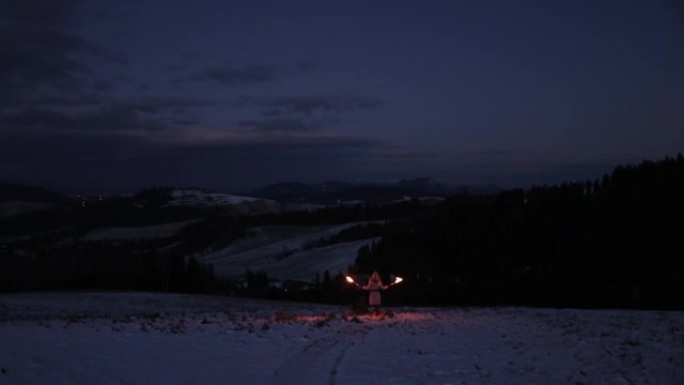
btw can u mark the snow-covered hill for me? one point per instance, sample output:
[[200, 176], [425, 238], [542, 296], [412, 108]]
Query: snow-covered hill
[[332, 192], [281, 252], [152, 338], [193, 197], [236, 204]]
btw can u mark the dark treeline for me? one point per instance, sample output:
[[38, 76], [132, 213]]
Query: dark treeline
[[46, 250], [613, 242], [610, 242], [338, 214], [165, 264], [142, 209]]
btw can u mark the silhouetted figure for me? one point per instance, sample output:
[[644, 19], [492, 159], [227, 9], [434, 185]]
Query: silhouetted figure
[[374, 286]]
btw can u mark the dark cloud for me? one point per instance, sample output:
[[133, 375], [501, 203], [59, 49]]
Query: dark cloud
[[110, 117], [102, 85], [676, 12], [278, 125], [231, 75], [156, 105], [308, 105], [301, 113], [188, 120], [499, 152], [37, 61], [184, 62], [53, 83], [42, 59], [76, 99], [140, 114], [44, 13], [324, 108], [238, 76], [109, 15], [250, 138], [37, 118], [306, 65]]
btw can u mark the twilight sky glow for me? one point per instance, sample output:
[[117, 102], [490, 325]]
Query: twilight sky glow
[[232, 95]]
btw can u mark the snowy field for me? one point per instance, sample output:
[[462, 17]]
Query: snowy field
[[146, 338], [281, 252]]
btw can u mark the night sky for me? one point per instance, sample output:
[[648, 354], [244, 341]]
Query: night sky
[[233, 95]]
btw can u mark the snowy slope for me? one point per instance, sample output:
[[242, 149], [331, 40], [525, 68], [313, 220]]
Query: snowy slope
[[145, 338], [280, 252]]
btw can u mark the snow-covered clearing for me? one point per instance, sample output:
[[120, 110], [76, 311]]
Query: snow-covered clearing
[[281, 252], [147, 338]]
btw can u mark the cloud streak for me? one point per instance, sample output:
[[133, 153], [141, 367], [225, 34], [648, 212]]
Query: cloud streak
[[300, 114], [238, 76], [309, 104], [147, 114], [229, 74], [198, 137], [278, 125]]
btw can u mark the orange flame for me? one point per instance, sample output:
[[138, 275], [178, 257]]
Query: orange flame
[[349, 279], [398, 279]]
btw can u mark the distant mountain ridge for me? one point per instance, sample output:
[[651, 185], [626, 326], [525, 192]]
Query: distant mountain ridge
[[335, 191], [17, 199], [235, 204]]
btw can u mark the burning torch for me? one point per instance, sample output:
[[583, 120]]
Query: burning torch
[[351, 280]]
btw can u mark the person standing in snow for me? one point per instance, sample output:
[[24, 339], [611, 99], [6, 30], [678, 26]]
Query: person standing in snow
[[374, 286]]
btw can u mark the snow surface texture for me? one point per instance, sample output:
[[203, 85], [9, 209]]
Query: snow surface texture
[[281, 252], [144, 338]]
